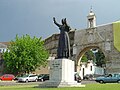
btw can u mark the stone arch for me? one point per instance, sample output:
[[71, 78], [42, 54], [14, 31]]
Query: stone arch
[[82, 52], [101, 37]]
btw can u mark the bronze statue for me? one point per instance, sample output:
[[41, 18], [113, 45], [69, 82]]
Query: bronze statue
[[63, 50]]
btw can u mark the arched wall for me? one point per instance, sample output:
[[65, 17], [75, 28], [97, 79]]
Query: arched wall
[[82, 52], [100, 37]]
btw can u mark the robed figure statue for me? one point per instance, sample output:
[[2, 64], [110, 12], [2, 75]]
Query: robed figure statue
[[63, 50]]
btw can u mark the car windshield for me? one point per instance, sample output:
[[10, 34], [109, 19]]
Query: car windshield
[[41, 75], [25, 75]]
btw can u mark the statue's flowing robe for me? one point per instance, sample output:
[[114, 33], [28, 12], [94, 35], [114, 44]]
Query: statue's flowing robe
[[63, 50]]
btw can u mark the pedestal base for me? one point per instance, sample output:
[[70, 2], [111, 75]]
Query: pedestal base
[[61, 74], [60, 84]]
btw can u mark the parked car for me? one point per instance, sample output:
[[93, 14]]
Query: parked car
[[28, 78], [111, 78], [77, 77], [43, 77], [18, 76], [8, 77]]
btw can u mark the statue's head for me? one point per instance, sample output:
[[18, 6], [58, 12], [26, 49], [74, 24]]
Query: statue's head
[[62, 21]]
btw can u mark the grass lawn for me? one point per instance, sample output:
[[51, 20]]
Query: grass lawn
[[98, 86]]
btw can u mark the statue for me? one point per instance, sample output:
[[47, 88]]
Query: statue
[[63, 50]]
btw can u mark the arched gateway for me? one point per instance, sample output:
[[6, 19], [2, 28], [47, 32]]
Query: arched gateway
[[101, 37]]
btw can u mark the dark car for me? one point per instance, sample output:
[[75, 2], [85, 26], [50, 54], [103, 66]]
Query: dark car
[[111, 78], [43, 77], [7, 77], [77, 77], [88, 77]]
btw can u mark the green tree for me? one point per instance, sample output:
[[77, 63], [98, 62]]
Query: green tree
[[24, 55], [84, 58], [87, 56], [100, 58]]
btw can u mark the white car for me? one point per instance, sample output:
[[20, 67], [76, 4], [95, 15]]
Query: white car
[[28, 78]]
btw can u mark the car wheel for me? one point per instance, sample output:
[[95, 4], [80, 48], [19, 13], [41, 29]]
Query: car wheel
[[78, 81], [118, 81], [101, 81], [36, 80], [42, 80], [26, 81]]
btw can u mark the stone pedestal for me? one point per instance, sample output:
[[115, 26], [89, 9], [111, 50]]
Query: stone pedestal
[[61, 74]]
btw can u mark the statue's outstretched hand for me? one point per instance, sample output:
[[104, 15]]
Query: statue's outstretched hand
[[56, 22]]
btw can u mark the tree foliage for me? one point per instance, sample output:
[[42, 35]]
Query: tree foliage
[[100, 58], [90, 55], [84, 58], [25, 54], [87, 56]]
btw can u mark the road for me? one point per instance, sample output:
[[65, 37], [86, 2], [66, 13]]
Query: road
[[88, 82], [12, 83]]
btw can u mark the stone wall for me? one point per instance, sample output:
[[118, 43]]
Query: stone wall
[[100, 37]]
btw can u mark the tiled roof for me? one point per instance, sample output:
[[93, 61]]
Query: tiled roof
[[3, 45]]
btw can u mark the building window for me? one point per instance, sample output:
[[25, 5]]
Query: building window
[[3, 50], [90, 68]]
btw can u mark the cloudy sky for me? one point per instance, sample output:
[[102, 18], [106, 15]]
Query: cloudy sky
[[34, 17]]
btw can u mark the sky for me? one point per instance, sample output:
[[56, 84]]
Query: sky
[[35, 17]]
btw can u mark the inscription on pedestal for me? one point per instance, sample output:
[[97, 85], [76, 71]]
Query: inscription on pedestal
[[56, 65]]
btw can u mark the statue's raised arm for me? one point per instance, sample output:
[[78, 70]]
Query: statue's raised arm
[[56, 22]]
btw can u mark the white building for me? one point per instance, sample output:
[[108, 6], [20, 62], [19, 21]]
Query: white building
[[90, 68], [3, 48]]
